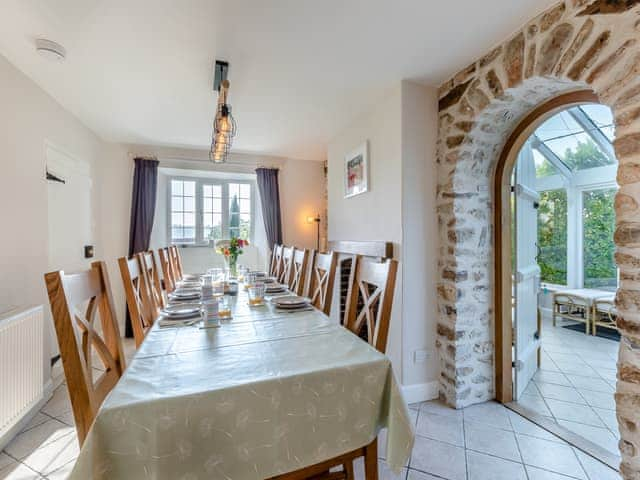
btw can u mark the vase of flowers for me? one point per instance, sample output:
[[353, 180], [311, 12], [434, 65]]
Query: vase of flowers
[[230, 250]]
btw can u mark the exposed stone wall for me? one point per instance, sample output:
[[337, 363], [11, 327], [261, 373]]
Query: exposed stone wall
[[576, 44]]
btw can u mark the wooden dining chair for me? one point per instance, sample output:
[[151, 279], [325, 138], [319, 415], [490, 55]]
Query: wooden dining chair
[[287, 262], [370, 298], [298, 271], [176, 262], [75, 301], [275, 268], [151, 277], [168, 277], [141, 307], [322, 278]]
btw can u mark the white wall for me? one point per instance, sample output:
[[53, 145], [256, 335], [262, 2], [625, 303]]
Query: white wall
[[399, 207], [376, 214], [29, 118], [420, 231]]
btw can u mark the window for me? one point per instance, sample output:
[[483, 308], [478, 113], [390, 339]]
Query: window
[[598, 226], [205, 209], [183, 211], [552, 236]]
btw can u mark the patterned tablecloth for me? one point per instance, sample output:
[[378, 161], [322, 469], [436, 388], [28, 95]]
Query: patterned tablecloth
[[266, 393]]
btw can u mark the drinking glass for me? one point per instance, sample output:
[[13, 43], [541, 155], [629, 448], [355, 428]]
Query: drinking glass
[[256, 294], [218, 288], [224, 307]]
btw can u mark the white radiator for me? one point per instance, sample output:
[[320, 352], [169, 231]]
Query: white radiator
[[21, 366]]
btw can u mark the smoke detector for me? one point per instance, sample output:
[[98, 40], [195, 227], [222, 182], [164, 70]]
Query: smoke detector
[[50, 49]]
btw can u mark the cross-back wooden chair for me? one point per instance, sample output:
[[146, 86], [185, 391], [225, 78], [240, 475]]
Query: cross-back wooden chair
[[275, 268], [140, 305], [370, 298], [151, 277], [176, 262], [75, 300], [287, 262], [298, 271], [168, 276], [322, 278]]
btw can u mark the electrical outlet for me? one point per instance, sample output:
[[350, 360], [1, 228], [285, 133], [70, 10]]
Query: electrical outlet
[[421, 356]]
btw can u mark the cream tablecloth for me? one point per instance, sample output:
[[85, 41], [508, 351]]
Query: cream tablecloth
[[266, 393]]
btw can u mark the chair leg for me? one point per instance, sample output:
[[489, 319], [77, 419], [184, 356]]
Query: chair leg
[[348, 471], [371, 461]]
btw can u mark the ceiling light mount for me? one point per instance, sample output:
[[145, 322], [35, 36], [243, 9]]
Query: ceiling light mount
[[50, 49], [220, 74]]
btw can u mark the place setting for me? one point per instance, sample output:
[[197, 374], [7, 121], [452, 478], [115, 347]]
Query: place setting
[[180, 314], [292, 304]]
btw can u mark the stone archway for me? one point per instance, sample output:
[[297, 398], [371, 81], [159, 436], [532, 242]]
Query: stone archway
[[575, 45]]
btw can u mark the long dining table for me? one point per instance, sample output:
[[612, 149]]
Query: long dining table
[[265, 393]]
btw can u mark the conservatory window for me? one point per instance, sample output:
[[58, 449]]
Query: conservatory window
[[575, 177]]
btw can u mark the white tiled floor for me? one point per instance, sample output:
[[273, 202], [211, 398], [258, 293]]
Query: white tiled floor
[[576, 383], [482, 442]]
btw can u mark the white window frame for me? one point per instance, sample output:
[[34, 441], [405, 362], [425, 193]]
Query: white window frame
[[200, 241]]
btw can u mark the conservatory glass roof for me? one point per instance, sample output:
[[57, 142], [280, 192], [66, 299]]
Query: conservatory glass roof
[[575, 139]]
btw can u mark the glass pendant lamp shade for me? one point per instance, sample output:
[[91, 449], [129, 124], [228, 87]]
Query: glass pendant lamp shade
[[224, 127]]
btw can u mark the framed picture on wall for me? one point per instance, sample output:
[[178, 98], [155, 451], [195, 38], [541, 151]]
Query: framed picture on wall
[[356, 171]]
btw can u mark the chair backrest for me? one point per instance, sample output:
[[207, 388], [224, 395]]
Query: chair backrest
[[151, 278], [75, 299], [323, 274], [139, 302], [370, 300], [287, 262], [298, 271], [276, 261], [176, 262], [167, 270]]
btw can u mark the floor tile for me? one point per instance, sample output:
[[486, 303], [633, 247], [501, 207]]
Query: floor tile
[[38, 419], [577, 369], [588, 383], [490, 413], [596, 470], [540, 474], [536, 404], [557, 378], [384, 472], [574, 412], [608, 417], [59, 402], [600, 436], [440, 408], [561, 392], [27, 442], [524, 426], [440, 459], [486, 467], [61, 473], [54, 455], [485, 439], [550, 456], [5, 460], [599, 399], [441, 428], [416, 475], [18, 471]]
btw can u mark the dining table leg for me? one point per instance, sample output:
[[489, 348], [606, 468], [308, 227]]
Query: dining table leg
[[371, 461]]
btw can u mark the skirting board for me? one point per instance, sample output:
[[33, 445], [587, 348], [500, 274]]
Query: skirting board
[[420, 392], [24, 421]]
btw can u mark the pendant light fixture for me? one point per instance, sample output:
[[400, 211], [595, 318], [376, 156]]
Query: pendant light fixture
[[224, 125]]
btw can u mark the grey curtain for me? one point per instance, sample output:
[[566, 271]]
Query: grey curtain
[[270, 199], [143, 207]]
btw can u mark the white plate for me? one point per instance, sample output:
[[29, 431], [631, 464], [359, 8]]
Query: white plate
[[189, 284], [185, 292], [180, 311], [192, 277], [291, 301]]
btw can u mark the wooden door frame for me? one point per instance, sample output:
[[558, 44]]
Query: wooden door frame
[[502, 231]]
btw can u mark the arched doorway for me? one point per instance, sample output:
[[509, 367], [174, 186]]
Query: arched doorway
[[576, 45]]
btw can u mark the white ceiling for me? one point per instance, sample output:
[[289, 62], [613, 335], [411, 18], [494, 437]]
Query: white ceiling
[[140, 71]]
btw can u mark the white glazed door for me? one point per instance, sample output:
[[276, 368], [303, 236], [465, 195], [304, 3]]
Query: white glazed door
[[526, 272]]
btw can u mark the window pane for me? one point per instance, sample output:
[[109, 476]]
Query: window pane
[[234, 205], [245, 190], [598, 248], [234, 190], [206, 190], [217, 191], [189, 219], [602, 116], [207, 204], [544, 168], [579, 152], [176, 219], [176, 187], [217, 205], [176, 204], [190, 189], [245, 206], [189, 204], [552, 236]]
